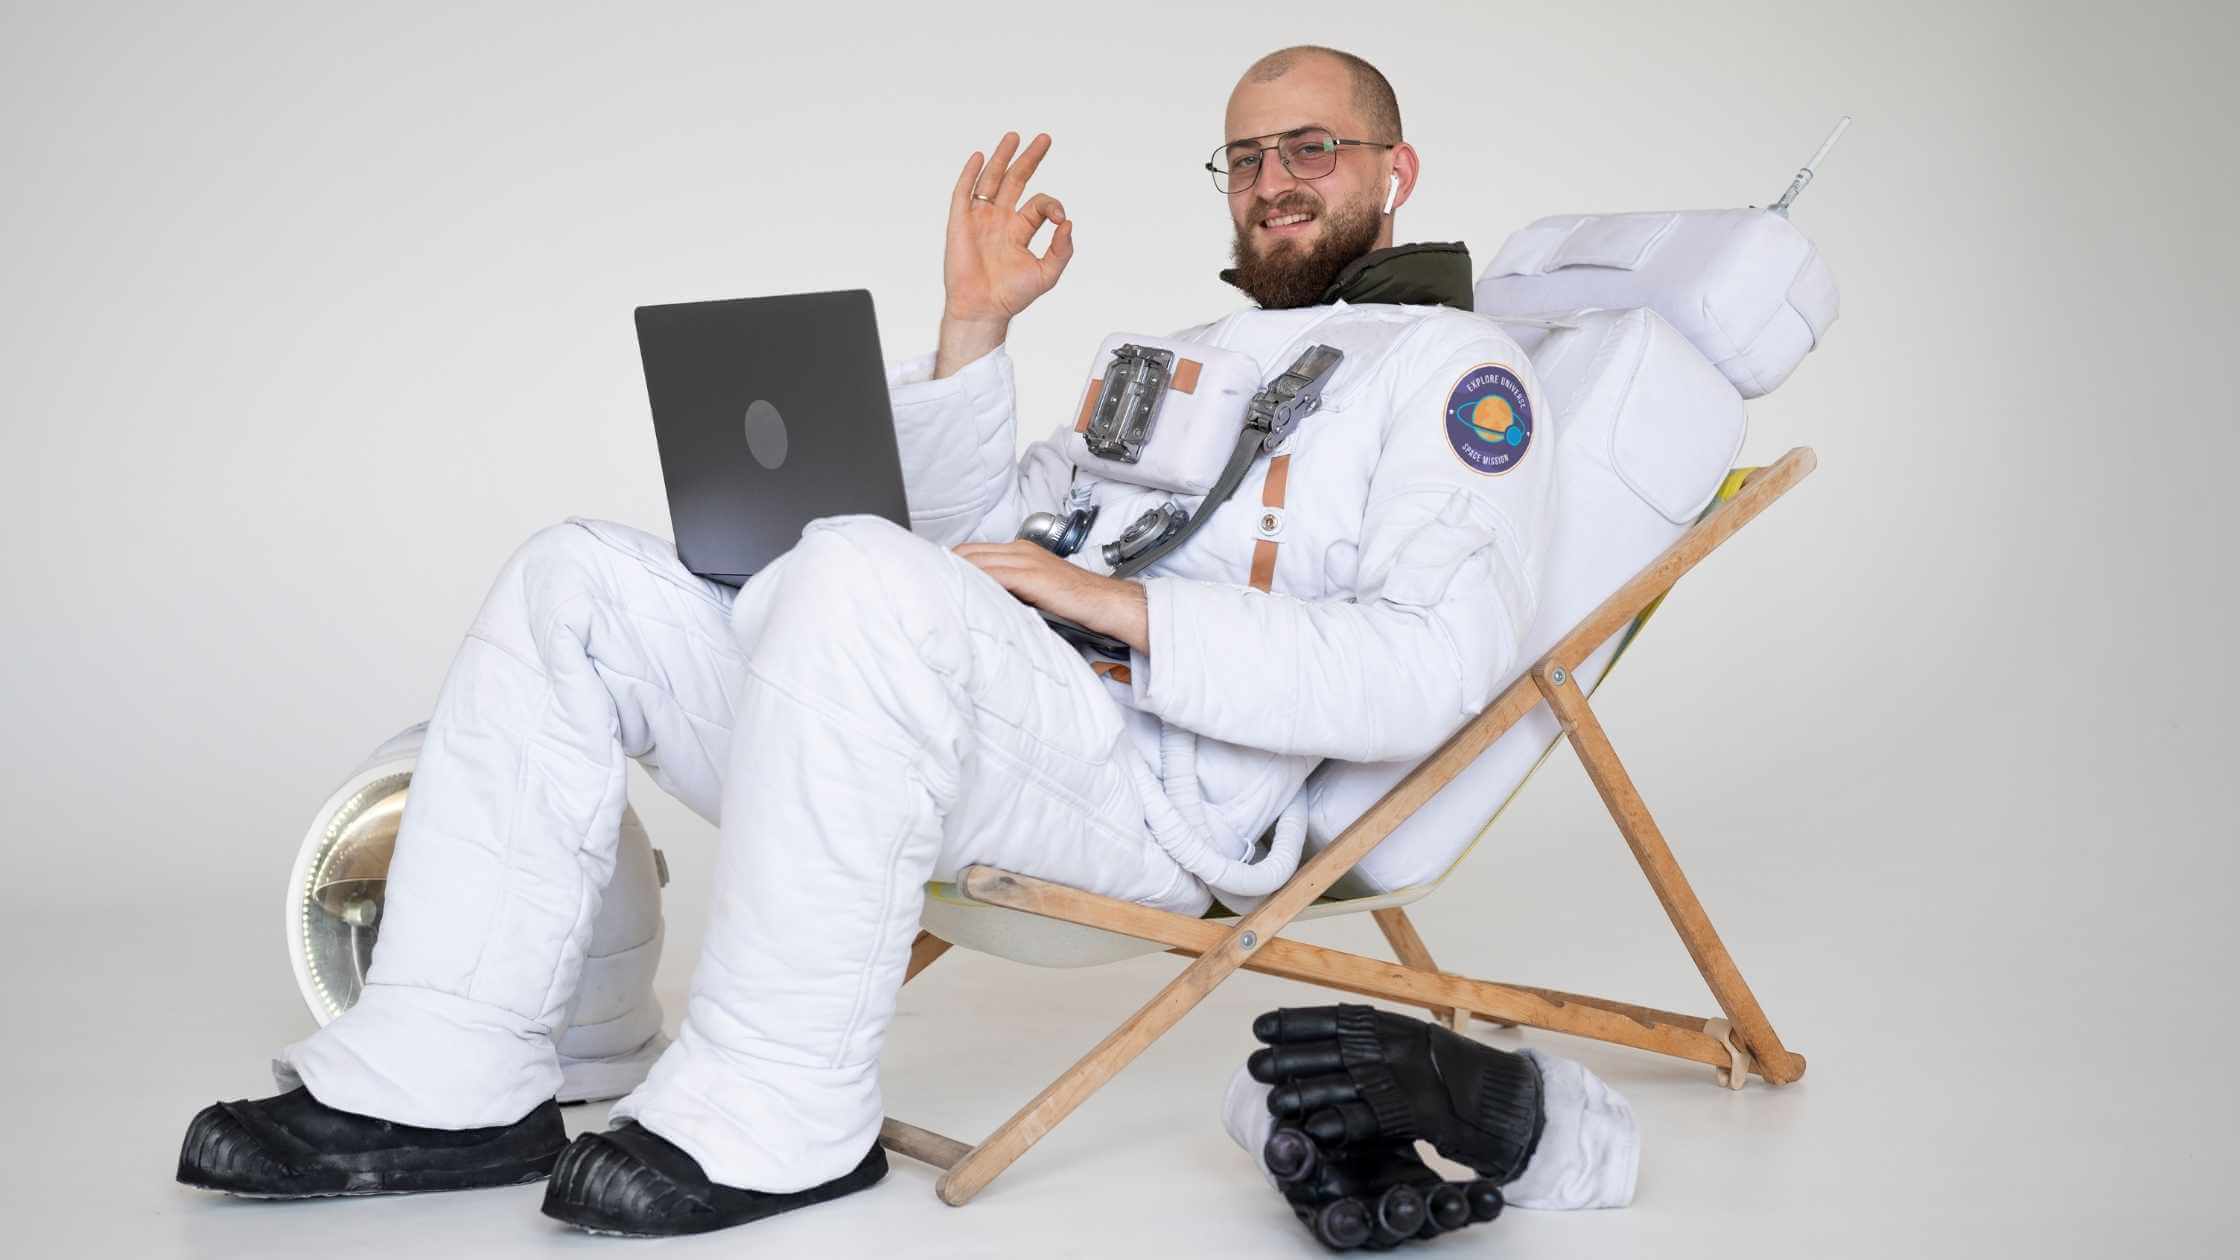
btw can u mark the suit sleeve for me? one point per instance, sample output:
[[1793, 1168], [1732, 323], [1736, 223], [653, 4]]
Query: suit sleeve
[[961, 470], [1448, 581]]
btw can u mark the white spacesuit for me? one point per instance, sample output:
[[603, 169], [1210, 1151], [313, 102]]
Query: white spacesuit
[[873, 711]]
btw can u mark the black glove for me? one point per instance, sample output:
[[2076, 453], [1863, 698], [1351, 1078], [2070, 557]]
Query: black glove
[[1353, 1076], [1377, 1195]]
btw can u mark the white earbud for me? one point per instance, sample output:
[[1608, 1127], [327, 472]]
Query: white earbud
[[1393, 195]]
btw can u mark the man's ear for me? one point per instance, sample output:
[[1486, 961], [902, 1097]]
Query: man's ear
[[1407, 165]]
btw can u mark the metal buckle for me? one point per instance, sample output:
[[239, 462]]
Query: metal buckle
[[1135, 383], [1146, 532], [1293, 396]]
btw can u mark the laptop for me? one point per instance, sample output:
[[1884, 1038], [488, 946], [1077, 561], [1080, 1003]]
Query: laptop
[[769, 412]]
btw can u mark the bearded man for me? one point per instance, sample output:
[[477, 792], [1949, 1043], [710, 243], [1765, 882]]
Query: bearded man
[[881, 707]]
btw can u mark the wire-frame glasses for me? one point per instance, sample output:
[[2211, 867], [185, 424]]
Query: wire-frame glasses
[[1306, 152]]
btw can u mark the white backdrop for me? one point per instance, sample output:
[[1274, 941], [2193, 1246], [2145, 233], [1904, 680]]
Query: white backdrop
[[312, 313]]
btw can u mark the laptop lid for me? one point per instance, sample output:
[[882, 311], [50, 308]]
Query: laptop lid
[[769, 412]]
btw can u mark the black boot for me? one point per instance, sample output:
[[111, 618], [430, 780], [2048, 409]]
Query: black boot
[[292, 1146], [633, 1182]]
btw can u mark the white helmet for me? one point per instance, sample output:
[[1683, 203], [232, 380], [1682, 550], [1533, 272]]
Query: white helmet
[[335, 893]]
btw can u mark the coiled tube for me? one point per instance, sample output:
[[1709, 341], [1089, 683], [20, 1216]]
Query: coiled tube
[[1175, 811]]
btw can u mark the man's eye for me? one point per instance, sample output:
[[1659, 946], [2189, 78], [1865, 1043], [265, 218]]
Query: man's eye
[[1310, 148], [1243, 161]]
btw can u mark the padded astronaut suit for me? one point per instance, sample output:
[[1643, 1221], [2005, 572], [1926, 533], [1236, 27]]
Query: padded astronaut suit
[[872, 711]]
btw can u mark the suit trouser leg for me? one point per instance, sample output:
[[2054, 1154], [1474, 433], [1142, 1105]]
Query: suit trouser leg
[[871, 712], [593, 645], [901, 716]]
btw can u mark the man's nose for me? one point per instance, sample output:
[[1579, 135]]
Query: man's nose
[[1276, 179]]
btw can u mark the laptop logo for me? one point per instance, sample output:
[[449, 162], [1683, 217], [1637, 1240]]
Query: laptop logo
[[766, 434]]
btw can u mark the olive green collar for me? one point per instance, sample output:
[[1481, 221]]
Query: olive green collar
[[1431, 273]]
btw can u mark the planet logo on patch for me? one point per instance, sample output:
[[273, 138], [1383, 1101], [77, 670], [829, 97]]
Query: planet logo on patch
[[1489, 419]]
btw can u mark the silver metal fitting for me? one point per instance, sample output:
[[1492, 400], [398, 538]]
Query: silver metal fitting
[[1293, 396], [1059, 535], [1146, 532], [1135, 383]]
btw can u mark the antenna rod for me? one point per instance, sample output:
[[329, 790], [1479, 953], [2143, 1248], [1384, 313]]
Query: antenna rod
[[1806, 172]]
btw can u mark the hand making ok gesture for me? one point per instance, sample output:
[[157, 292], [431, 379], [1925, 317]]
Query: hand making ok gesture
[[988, 270]]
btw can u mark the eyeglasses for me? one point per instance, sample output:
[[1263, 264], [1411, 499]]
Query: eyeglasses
[[1306, 152]]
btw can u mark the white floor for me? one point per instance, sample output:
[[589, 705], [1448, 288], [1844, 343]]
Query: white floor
[[1998, 1066]]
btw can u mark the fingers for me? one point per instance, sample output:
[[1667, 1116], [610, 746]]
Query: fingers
[[1272, 1065], [1343, 1225], [1485, 1200], [1365, 1214], [1448, 1205], [1021, 568], [1289, 1154], [1400, 1211], [1382, 1219], [960, 197], [1343, 1122], [1010, 576], [1349, 1182], [1297, 1023], [1364, 1171], [1016, 175], [1311, 1094], [1001, 181], [1017, 550], [1392, 1218], [990, 181], [1040, 207], [986, 558]]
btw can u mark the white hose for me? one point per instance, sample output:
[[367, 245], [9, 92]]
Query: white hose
[[1178, 772], [1175, 810]]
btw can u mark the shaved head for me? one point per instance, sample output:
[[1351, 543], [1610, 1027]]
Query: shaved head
[[1373, 101]]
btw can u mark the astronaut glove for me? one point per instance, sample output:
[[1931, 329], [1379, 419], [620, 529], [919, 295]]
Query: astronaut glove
[[1352, 1089], [1352, 1074]]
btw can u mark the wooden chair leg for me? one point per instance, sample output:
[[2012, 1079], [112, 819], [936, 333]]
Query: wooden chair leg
[[984, 1162], [1218, 961], [1400, 933], [1774, 1061], [922, 953], [923, 1145]]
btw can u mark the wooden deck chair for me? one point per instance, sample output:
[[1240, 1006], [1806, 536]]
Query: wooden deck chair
[[1089, 928]]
